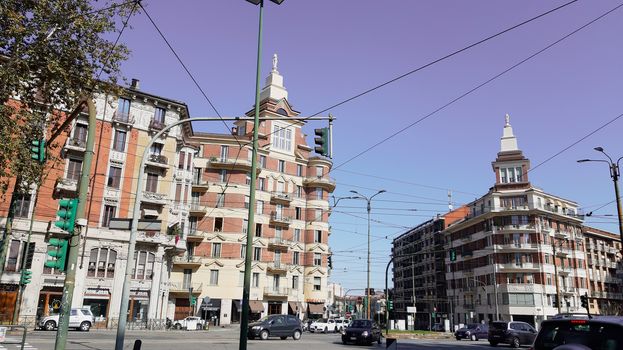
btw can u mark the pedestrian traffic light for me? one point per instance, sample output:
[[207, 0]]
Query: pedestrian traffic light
[[452, 254], [25, 277], [58, 254], [584, 300], [67, 214], [322, 141], [37, 150]]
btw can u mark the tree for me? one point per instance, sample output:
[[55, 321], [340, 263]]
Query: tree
[[51, 52]]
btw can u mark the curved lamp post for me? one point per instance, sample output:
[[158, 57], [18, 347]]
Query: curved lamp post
[[368, 200]]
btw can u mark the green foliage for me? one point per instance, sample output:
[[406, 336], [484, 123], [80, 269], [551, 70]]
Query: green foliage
[[51, 53]]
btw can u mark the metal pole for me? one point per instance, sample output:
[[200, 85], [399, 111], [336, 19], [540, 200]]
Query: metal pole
[[387, 296], [558, 301], [614, 172], [244, 319], [495, 279], [368, 284], [74, 242]]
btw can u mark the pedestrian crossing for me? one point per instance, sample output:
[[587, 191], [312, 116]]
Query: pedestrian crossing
[[16, 346]]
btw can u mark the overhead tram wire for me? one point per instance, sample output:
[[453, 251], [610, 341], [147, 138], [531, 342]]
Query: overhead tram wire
[[477, 87]]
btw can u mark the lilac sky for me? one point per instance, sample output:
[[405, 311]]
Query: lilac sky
[[331, 50]]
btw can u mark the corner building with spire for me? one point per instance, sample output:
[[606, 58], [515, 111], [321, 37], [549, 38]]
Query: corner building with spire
[[519, 250]]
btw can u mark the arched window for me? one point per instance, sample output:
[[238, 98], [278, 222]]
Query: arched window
[[143, 265], [102, 263], [282, 112]]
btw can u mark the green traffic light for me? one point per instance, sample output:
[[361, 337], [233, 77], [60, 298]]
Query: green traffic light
[[37, 150], [67, 214], [59, 254], [25, 277]]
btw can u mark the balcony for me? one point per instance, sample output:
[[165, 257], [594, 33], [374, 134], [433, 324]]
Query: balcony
[[184, 288], [123, 118], [194, 236], [158, 160], [611, 250], [279, 219], [561, 235], [319, 181], [231, 164], [280, 197], [156, 125], [66, 185], [76, 144], [197, 209], [564, 270], [278, 243], [514, 207], [276, 291], [562, 252], [519, 267], [200, 185], [155, 198], [187, 261], [277, 267]]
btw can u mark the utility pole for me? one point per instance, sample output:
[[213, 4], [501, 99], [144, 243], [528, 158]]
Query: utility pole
[[74, 242], [558, 301]]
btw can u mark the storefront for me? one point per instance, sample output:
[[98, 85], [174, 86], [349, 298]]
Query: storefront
[[98, 300], [139, 305], [315, 310], [236, 311], [8, 296], [256, 307], [211, 311], [183, 308], [294, 308], [275, 307], [49, 301]]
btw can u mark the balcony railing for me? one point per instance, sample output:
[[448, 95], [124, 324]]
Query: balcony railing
[[181, 287], [279, 242], [123, 118], [158, 159], [276, 266], [156, 125], [280, 218], [187, 260], [319, 181], [64, 184], [277, 291], [154, 197], [279, 196], [231, 163], [76, 143]]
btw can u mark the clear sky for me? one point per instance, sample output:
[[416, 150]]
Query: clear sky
[[331, 50]]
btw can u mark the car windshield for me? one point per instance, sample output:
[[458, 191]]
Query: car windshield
[[597, 336], [86, 312], [361, 324], [322, 320], [264, 318], [499, 325]]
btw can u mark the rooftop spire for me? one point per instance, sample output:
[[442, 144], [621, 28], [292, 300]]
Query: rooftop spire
[[508, 141], [274, 84]]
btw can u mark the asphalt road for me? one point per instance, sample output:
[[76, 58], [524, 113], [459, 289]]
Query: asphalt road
[[226, 339]]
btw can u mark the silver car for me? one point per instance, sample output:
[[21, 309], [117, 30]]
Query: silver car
[[80, 319]]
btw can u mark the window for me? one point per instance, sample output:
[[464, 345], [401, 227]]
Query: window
[[297, 213], [295, 282], [156, 148], [299, 170], [243, 251], [143, 265], [223, 176], [220, 200], [318, 236], [213, 277], [262, 161], [152, 182], [318, 193], [319, 171], [246, 202], [102, 263], [114, 177], [299, 191], [14, 250], [257, 253], [224, 152], [241, 278], [245, 226], [318, 215], [258, 230], [255, 279], [261, 183], [124, 106], [297, 235], [119, 140], [259, 209], [192, 225], [216, 250], [22, 205], [109, 213], [317, 259], [317, 281], [181, 160], [296, 258], [278, 232], [74, 169], [248, 179], [218, 224], [282, 138], [503, 177], [189, 161], [159, 115], [281, 166], [80, 134]]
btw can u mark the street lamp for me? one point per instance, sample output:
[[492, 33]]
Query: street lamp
[[244, 319], [614, 174], [368, 200]]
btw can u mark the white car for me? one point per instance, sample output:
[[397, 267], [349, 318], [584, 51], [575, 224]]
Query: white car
[[326, 325], [80, 319], [189, 321]]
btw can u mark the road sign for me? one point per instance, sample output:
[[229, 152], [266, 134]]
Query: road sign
[[411, 309], [348, 314]]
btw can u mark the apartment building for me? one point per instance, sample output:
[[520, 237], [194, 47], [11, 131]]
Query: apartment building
[[124, 125], [290, 244], [603, 256]]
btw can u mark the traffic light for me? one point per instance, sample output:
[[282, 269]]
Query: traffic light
[[193, 300], [584, 300], [322, 141], [555, 300], [329, 262], [37, 150], [452, 254], [25, 277], [58, 254], [390, 305], [67, 214]]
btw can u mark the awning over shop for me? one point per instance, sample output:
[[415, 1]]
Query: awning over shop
[[315, 309], [295, 306], [212, 305], [150, 213], [256, 306]]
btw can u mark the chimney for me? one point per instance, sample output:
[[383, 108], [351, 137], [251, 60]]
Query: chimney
[[135, 84]]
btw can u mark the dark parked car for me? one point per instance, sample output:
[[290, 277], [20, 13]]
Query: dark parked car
[[511, 332], [472, 331], [598, 333], [362, 332], [282, 326]]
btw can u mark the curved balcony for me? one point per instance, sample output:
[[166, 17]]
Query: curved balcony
[[155, 125], [158, 160], [319, 181]]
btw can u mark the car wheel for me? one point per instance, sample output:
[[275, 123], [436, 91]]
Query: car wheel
[[264, 335], [515, 343], [49, 325], [85, 326], [198, 327], [325, 330], [458, 338], [296, 335], [493, 343], [474, 337], [178, 326]]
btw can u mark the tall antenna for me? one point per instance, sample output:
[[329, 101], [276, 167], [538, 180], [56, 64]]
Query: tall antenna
[[450, 206]]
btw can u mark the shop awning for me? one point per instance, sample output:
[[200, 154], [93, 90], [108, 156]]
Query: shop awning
[[315, 309], [256, 306], [150, 213], [295, 306], [212, 305]]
